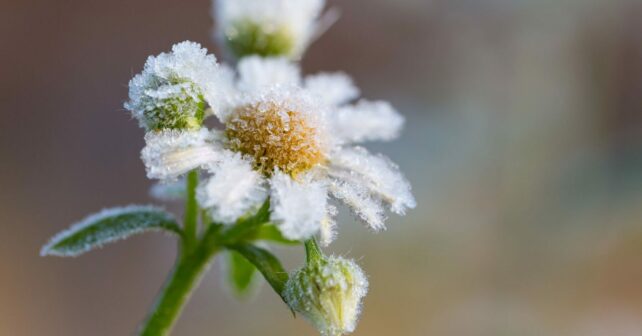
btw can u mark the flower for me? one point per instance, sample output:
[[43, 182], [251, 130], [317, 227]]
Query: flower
[[328, 292], [172, 90], [293, 140], [267, 27]]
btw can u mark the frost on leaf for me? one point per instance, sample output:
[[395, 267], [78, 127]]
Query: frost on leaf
[[108, 226]]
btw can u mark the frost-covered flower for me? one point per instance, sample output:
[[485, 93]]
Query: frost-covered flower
[[328, 292], [293, 140], [172, 90], [267, 27]]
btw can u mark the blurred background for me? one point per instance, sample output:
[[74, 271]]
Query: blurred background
[[523, 144]]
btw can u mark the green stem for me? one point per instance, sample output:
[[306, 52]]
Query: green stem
[[191, 212], [186, 275], [312, 251]]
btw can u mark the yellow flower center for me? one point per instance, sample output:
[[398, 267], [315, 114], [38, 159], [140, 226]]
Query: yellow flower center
[[275, 137]]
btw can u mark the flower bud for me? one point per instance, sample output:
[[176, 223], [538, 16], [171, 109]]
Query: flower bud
[[328, 292], [169, 92], [267, 27]]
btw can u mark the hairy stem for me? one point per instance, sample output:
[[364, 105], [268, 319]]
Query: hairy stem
[[178, 288], [191, 212]]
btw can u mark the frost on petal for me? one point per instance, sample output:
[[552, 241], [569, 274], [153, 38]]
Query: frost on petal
[[333, 88], [367, 121], [328, 229], [357, 197], [375, 172], [298, 207], [234, 189], [171, 153], [169, 92], [257, 73]]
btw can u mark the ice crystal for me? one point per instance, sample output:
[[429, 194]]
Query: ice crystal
[[233, 189], [108, 226], [328, 293]]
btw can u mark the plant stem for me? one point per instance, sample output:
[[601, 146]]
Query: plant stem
[[186, 275], [191, 212]]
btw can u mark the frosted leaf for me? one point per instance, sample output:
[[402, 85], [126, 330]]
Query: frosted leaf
[[108, 226], [367, 121], [375, 172], [258, 73], [241, 275], [267, 27], [298, 206], [169, 190], [169, 93], [171, 153], [233, 189], [328, 293], [333, 88], [357, 197]]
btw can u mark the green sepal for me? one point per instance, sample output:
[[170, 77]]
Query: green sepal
[[108, 226]]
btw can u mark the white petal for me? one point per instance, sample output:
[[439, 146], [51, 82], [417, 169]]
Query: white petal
[[171, 153], [257, 73], [333, 88], [358, 198], [375, 172], [234, 189], [298, 207], [328, 229], [367, 121]]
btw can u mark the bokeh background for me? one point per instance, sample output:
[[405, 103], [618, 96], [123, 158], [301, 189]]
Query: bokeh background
[[523, 144]]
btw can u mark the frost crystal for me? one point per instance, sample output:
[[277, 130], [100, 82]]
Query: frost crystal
[[367, 121], [171, 90], [171, 153], [108, 226], [233, 190], [328, 293], [332, 88], [257, 73], [377, 173], [267, 27], [298, 207]]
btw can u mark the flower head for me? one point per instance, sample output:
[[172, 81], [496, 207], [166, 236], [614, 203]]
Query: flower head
[[267, 27], [172, 90], [328, 292]]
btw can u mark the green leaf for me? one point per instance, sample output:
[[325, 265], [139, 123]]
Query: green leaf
[[267, 264], [241, 274], [108, 226], [246, 225], [272, 234]]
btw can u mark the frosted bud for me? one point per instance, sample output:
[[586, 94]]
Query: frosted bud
[[169, 92], [267, 27], [327, 291]]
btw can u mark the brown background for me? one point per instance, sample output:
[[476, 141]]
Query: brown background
[[523, 144]]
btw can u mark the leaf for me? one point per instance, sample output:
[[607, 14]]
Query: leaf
[[267, 264], [241, 274], [246, 225], [108, 226], [272, 234]]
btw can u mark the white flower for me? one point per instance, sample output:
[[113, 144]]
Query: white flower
[[297, 135], [291, 139], [267, 27], [328, 292], [172, 89]]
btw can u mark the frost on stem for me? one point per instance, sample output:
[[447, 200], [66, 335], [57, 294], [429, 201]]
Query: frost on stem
[[108, 226]]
